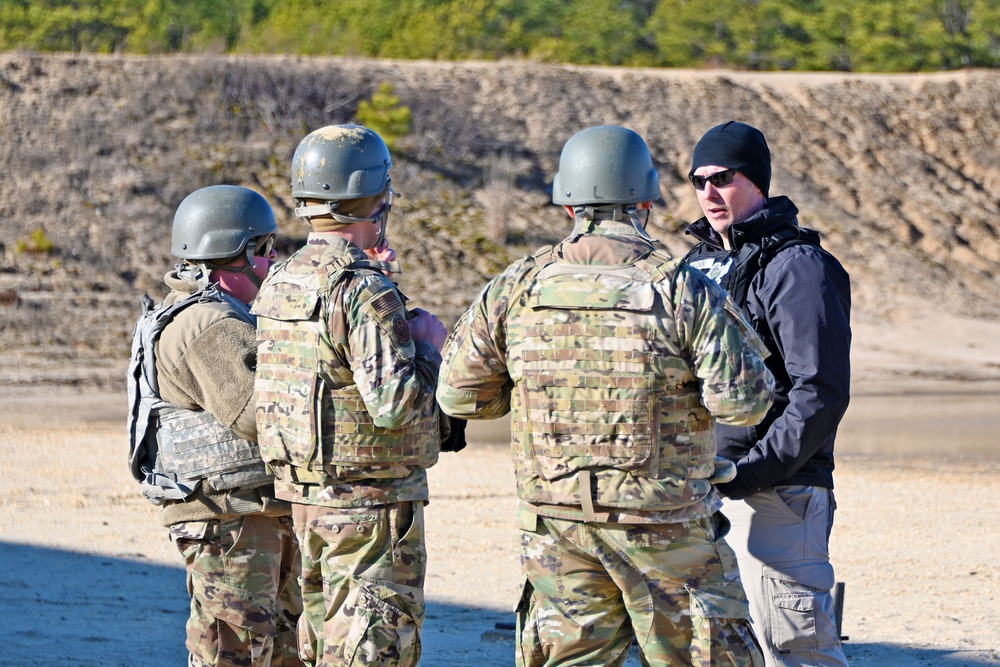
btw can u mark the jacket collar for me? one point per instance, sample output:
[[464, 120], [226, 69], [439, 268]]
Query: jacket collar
[[780, 212], [180, 283]]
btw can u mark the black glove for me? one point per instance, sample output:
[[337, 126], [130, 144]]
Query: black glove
[[455, 442], [734, 490]]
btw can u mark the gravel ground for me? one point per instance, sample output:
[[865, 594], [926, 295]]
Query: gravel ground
[[91, 579]]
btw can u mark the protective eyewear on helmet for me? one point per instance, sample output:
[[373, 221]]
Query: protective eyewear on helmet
[[719, 179], [383, 208], [264, 246]]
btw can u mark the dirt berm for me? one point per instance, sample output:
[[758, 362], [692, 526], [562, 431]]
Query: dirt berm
[[899, 173]]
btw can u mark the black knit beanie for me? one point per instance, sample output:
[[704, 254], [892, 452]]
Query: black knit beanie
[[735, 145]]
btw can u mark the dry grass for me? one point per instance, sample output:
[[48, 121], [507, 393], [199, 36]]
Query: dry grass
[[98, 151], [499, 197]]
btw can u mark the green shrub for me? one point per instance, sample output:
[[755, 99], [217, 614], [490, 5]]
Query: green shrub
[[37, 242], [385, 115]]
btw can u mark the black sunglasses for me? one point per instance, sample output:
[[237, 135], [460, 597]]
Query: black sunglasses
[[264, 246], [719, 179]]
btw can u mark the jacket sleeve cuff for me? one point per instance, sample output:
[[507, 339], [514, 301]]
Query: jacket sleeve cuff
[[428, 351]]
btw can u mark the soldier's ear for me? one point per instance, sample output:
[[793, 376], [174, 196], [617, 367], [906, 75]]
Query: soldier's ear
[[569, 210]]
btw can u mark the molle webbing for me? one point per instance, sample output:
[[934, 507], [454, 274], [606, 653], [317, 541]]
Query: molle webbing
[[593, 419], [172, 451], [587, 348], [351, 436], [194, 445], [303, 421], [587, 390]]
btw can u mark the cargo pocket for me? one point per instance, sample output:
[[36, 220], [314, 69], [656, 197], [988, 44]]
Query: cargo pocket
[[233, 606], [386, 627], [796, 594], [529, 646], [720, 627]]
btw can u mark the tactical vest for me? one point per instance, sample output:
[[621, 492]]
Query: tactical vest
[[751, 259], [601, 384], [172, 450], [310, 414]]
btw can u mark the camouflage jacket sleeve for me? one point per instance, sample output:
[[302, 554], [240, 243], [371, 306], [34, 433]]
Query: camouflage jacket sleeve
[[474, 382], [726, 355], [395, 375]]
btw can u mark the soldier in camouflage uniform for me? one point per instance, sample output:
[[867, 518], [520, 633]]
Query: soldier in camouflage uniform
[[346, 409], [193, 435], [613, 359]]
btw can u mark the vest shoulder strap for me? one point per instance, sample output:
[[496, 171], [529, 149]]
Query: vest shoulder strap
[[143, 388], [752, 258], [654, 264]]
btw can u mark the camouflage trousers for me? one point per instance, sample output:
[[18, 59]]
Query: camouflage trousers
[[362, 584], [590, 588], [245, 601]]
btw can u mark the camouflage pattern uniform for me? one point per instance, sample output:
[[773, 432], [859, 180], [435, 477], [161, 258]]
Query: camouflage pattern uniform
[[237, 568], [613, 359], [348, 423], [239, 550]]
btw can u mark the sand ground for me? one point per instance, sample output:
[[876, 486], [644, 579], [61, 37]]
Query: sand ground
[[89, 577]]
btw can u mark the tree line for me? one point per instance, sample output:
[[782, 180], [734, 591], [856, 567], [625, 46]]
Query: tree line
[[838, 35]]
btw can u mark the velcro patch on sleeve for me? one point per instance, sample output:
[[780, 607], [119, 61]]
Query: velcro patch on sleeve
[[401, 330], [386, 303]]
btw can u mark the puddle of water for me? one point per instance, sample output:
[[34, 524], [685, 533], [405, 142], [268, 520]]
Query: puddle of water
[[920, 424], [954, 424], [939, 424]]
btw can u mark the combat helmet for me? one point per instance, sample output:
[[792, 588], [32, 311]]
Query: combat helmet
[[604, 171], [220, 222], [607, 164], [339, 162]]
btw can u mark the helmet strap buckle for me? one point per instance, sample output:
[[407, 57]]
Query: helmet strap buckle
[[639, 220], [316, 210], [584, 218]]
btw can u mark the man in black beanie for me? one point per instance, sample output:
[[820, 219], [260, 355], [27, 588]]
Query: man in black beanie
[[797, 296]]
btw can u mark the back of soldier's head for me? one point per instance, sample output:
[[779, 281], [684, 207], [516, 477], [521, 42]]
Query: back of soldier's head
[[218, 223], [339, 176], [340, 162], [605, 165]]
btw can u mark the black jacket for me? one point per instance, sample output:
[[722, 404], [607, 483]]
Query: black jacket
[[799, 305]]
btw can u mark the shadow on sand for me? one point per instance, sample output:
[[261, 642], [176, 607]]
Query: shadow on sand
[[73, 609], [879, 655], [66, 608], [81, 610]]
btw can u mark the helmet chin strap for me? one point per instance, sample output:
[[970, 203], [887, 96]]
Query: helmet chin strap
[[247, 269], [380, 216], [198, 272], [639, 220], [252, 276], [584, 218]]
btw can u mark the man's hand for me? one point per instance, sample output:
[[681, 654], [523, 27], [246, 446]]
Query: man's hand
[[427, 328], [383, 253]]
